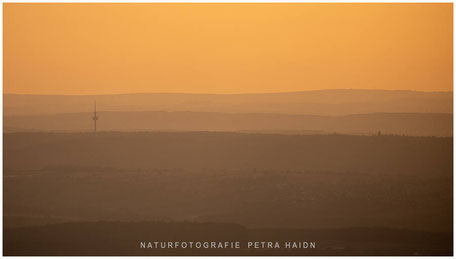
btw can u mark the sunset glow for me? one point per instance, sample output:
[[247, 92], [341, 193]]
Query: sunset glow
[[225, 48]]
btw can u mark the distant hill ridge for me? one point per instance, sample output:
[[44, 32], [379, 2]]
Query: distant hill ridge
[[253, 93], [319, 102], [413, 124]]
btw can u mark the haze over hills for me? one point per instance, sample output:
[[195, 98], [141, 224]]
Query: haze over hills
[[308, 179], [257, 180], [211, 123], [414, 124], [322, 102], [223, 150], [325, 111]]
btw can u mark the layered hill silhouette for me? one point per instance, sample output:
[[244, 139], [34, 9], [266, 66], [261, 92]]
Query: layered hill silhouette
[[257, 180], [322, 102], [414, 124], [369, 171], [262, 181], [198, 150]]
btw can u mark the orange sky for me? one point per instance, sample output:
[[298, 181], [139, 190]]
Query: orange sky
[[225, 48]]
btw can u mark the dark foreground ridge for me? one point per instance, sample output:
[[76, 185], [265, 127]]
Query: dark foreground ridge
[[122, 238]]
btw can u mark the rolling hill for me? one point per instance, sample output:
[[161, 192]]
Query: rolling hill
[[323, 102]]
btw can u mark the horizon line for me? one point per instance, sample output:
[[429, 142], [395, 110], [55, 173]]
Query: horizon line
[[250, 93]]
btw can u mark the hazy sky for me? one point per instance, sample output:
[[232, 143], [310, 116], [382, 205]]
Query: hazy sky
[[225, 48]]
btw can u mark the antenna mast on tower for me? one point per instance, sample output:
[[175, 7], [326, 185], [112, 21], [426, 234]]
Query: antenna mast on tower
[[95, 118]]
